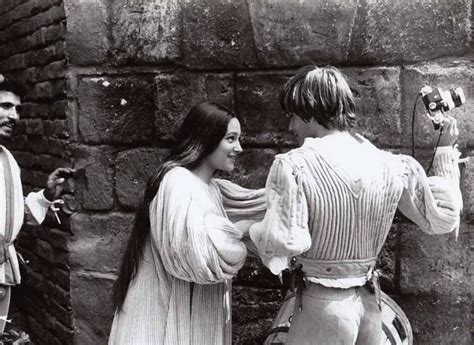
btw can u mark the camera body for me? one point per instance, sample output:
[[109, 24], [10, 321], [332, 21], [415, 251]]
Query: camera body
[[437, 101]]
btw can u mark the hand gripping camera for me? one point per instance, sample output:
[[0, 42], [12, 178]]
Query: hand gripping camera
[[438, 101]]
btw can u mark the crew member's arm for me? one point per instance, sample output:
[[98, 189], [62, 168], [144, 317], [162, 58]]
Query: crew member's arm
[[38, 203]]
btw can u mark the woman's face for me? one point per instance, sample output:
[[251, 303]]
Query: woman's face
[[225, 155]]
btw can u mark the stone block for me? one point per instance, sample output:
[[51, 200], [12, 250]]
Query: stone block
[[133, 169], [260, 114], [99, 240], [94, 179], [252, 304], [251, 333], [115, 109], [299, 32], [145, 32], [252, 167], [254, 274], [224, 40], [433, 263], [467, 186], [92, 311], [439, 318], [87, 31], [444, 75], [377, 96], [177, 93], [394, 31], [387, 261]]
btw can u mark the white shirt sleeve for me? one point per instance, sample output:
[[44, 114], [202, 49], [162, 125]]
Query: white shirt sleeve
[[36, 207]]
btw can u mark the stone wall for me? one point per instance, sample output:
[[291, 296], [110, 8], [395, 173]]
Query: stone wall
[[135, 67]]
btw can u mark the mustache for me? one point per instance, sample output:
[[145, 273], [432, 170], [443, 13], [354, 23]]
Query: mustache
[[8, 123]]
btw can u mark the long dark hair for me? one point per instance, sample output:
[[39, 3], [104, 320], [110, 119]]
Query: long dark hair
[[199, 135]]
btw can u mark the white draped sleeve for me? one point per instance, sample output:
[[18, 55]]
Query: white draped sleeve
[[284, 231], [194, 241], [242, 203], [434, 203]]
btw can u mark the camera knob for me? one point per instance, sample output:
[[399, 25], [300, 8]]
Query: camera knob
[[432, 105]]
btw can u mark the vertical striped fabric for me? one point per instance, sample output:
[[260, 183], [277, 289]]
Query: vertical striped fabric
[[11, 215], [181, 294], [351, 191]]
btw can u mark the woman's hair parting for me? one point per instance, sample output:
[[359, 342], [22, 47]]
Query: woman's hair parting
[[321, 93], [199, 135]]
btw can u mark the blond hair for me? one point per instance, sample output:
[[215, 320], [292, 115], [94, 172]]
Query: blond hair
[[321, 93]]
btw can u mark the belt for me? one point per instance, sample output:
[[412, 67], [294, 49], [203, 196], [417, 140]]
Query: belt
[[302, 268]]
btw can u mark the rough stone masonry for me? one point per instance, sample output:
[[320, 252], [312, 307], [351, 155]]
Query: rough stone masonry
[[109, 80]]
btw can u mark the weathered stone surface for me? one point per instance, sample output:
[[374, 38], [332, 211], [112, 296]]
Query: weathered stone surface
[[223, 39], [99, 240], [87, 31], [252, 313], [133, 169], [377, 95], [444, 75], [145, 31], [255, 274], [295, 33], [261, 117], [91, 305], [467, 185], [252, 167], [387, 261], [115, 110], [405, 30], [439, 318], [433, 263], [177, 93], [95, 176]]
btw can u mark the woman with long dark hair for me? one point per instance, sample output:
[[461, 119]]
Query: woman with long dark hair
[[175, 280]]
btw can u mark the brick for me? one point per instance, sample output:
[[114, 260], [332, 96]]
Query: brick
[[63, 332], [56, 129], [260, 115], [442, 75], [133, 169], [115, 110], [19, 29], [92, 324], [377, 96], [295, 33], [146, 32], [432, 263], [438, 318], [87, 31], [224, 40], [177, 93], [389, 32], [99, 240]]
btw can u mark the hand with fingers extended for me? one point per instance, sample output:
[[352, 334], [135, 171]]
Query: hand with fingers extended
[[450, 132], [54, 184]]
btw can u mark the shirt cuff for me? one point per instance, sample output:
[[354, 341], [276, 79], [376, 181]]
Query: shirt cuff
[[37, 205]]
